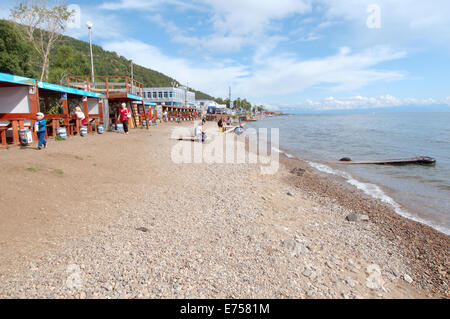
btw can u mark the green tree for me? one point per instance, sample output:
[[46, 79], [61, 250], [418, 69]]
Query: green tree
[[67, 62], [226, 102], [42, 24], [15, 52]]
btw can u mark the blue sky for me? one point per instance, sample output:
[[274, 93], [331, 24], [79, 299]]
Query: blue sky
[[288, 54]]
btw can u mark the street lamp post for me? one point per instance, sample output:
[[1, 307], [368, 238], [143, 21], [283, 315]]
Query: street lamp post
[[174, 84], [185, 94], [89, 25]]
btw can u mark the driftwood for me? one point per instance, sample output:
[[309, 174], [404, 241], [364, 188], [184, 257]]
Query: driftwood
[[421, 160]]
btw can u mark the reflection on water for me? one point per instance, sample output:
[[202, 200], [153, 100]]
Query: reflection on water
[[423, 191]]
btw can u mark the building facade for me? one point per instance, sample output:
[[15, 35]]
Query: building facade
[[173, 96]]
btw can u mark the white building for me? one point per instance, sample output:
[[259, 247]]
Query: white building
[[174, 96]]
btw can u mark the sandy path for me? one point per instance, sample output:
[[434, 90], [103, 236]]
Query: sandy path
[[68, 228]]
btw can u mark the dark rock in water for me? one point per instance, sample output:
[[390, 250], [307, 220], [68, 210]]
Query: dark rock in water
[[142, 229], [345, 159]]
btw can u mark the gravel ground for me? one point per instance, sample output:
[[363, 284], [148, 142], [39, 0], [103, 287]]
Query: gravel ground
[[125, 221]]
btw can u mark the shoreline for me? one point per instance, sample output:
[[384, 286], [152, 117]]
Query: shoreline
[[336, 175], [211, 230], [422, 243]]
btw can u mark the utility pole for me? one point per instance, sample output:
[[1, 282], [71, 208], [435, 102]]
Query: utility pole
[[173, 90], [89, 25], [132, 75], [229, 96], [185, 93]]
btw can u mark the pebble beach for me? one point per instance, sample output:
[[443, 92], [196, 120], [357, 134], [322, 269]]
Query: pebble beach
[[112, 216]]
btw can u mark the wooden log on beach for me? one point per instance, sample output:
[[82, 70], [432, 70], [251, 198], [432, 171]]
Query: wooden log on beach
[[186, 138], [421, 160]]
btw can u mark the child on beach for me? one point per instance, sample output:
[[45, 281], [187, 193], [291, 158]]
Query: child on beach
[[40, 128]]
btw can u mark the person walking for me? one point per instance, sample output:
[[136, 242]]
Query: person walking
[[220, 125], [124, 115], [200, 131], [40, 128]]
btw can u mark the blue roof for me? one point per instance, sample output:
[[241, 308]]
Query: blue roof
[[4, 77], [65, 89], [145, 103], [135, 97]]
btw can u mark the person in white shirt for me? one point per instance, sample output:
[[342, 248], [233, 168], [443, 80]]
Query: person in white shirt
[[200, 130]]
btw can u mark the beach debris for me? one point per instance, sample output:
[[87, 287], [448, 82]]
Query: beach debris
[[407, 278], [350, 282], [297, 171], [142, 229], [289, 193], [374, 280], [345, 295], [294, 247], [420, 160], [307, 273], [352, 217]]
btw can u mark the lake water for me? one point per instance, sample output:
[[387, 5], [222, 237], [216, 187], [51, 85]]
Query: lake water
[[418, 192]]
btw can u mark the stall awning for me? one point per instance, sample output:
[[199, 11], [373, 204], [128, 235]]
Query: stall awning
[[9, 78], [65, 89], [145, 103]]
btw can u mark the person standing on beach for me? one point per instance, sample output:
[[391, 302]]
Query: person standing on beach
[[79, 115], [220, 124], [200, 130], [124, 115], [40, 128]]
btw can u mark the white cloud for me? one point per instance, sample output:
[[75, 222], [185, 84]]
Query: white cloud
[[102, 29], [267, 75], [213, 78], [148, 5], [362, 102], [403, 22], [285, 74], [249, 17], [236, 23]]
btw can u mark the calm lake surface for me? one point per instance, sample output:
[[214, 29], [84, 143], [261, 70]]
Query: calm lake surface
[[418, 192]]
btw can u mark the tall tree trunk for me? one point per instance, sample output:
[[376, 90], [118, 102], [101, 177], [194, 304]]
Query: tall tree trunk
[[43, 69]]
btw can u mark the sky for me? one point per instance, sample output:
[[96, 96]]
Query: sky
[[285, 54]]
